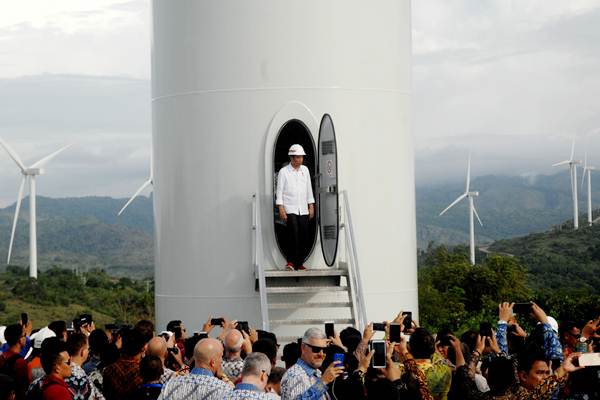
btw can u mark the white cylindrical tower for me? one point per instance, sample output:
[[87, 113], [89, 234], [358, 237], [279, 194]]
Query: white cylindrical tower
[[227, 77]]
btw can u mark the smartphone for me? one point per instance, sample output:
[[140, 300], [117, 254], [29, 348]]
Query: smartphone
[[243, 326], [329, 331], [522, 308], [445, 340], [202, 335], [379, 357], [407, 320], [485, 329], [24, 319], [379, 326], [339, 358], [217, 321], [588, 360], [395, 333]]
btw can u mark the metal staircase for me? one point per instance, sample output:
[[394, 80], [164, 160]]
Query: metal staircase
[[292, 301]]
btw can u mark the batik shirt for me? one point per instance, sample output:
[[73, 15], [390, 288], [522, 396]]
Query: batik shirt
[[200, 384], [303, 382], [246, 391], [438, 375], [82, 385], [552, 346], [233, 368]]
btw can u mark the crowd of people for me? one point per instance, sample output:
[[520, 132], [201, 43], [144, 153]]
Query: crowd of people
[[229, 360]]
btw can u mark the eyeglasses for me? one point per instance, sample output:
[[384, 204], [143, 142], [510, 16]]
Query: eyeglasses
[[68, 362], [315, 349], [574, 335]]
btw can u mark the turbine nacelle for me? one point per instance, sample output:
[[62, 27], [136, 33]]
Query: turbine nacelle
[[472, 194], [33, 171]]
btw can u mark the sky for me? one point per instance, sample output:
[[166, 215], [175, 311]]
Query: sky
[[512, 81]]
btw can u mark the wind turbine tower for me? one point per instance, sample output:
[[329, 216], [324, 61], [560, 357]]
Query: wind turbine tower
[[472, 211], [573, 171], [29, 175], [587, 170]]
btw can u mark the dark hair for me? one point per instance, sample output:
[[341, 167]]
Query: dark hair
[[76, 342], [470, 339], [501, 375], [58, 327], [151, 368], [13, 333], [266, 335], [564, 327], [52, 345], [146, 328], [8, 386], [529, 355], [133, 343], [175, 327], [422, 344], [276, 374], [51, 355], [267, 347], [350, 338], [291, 353], [98, 341]]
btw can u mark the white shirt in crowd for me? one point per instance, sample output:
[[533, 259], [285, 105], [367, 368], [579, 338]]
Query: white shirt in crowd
[[294, 190]]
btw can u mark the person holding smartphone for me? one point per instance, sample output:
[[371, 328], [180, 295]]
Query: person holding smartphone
[[304, 379]]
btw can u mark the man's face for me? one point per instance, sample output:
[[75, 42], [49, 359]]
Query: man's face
[[572, 336], [64, 368], [308, 352], [297, 161], [539, 371]]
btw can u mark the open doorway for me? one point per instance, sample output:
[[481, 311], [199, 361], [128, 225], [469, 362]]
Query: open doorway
[[293, 132]]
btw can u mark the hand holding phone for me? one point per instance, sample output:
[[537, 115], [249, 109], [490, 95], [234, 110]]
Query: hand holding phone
[[217, 321], [379, 326], [522, 308], [407, 322], [395, 333], [329, 330], [379, 359]]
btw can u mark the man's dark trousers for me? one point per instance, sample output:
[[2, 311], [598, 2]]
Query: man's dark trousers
[[297, 227]]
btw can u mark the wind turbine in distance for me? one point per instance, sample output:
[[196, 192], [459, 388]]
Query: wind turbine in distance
[[149, 181], [472, 211], [573, 170], [587, 170], [29, 174]]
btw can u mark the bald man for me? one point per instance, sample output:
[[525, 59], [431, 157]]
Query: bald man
[[157, 346], [206, 381], [232, 362]]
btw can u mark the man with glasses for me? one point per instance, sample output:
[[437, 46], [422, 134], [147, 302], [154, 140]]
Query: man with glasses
[[304, 381], [57, 366], [255, 375]]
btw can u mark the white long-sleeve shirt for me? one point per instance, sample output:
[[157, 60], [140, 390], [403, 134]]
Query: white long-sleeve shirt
[[294, 190]]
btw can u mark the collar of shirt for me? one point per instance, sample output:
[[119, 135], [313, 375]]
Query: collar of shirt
[[152, 385], [310, 371], [52, 378], [201, 371], [246, 386], [292, 169]]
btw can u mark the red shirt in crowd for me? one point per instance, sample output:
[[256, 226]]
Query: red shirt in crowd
[[55, 388]]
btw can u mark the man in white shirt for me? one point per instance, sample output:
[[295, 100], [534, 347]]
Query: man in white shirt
[[294, 198]]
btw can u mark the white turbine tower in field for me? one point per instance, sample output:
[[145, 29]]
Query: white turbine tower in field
[[587, 170], [29, 174], [572, 163], [472, 211], [148, 182]]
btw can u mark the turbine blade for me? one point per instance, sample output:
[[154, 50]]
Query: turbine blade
[[468, 174], [13, 155], [561, 163], [477, 215], [45, 160], [459, 198], [14, 225], [585, 160], [572, 149], [583, 177], [144, 186]]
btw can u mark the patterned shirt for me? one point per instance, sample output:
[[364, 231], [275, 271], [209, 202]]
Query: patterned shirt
[[233, 368], [552, 346], [246, 391], [167, 375], [121, 378], [438, 374], [200, 384], [303, 382], [82, 385]]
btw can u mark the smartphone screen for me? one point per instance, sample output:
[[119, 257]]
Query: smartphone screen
[[379, 357], [379, 326], [24, 319], [217, 321], [395, 333], [329, 330], [589, 360], [243, 326], [522, 308], [485, 329], [407, 320], [339, 357]]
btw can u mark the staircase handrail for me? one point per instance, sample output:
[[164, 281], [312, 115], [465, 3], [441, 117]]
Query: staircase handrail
[[257, 261], [353, 267]]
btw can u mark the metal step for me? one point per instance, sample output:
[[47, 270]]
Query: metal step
[[306, 289], [285, 306], [307, 273], [313, 322]]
